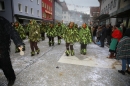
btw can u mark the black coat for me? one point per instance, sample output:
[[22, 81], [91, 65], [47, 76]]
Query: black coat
[[7, 32], [103, 33]]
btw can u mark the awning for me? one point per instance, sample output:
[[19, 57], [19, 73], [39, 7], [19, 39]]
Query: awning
[[26, 17], [121, 13], [103, 17]]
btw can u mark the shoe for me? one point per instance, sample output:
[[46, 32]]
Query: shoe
[[10, 83], [122, 72], [32, 53], [128, 71], [67, 52], [38, 51], [72, 52]]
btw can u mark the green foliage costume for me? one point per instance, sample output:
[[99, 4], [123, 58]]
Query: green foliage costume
[[70, 36], [43, 30], [34, 36], [59, 31], [51, 33], [34, 33], [85, 38]]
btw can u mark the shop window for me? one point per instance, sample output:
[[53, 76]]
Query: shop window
[[2, 6], [26, 9], [20, 7]]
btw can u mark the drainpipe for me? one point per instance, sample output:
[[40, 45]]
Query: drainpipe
[[12, 8]]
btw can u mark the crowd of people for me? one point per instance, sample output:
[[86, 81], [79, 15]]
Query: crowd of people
[[118, 39]]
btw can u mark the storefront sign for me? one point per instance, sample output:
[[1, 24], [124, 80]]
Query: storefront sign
[[48, 12]]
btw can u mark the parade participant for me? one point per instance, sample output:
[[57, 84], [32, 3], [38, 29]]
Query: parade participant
[[21, 32], [34, 37], [59, 32], [7, 32], [51, 33], [42, 30], [85, 38], [70, 36]]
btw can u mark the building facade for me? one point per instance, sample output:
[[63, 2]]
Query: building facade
[[106, 8], [47, 10], [24, 10], [21, 10], [58, 11], [94, 13], [65, 13], [123, 13]]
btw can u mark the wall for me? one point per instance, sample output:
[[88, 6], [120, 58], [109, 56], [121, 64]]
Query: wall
[[7, 13], [45, 15], [30, 4], [66, 17], [123, 4], [109, 6], [58, 12]]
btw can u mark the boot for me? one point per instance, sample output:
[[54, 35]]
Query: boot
[[52, 43], [67, 52], [84, 51], [38, 51], [32, 53], [122, 72], [111, 55], [49, 43], [59, 41], [72, 52]]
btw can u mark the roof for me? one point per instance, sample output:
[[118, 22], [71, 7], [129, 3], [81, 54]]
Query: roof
[[64, 6], [58, 2]]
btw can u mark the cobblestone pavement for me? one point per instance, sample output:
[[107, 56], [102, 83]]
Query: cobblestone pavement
[[45, 70]]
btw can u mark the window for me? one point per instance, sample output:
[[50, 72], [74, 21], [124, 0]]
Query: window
[[31, 10], [20, 7], [31, 0], [2, 6], [42, 4], [26, 9], [64, 16], [37, 1], [38, 13], [45, 5]]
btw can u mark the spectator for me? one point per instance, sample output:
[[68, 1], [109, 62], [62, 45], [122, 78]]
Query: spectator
[[116, 36], [123, 52], [103, 35]]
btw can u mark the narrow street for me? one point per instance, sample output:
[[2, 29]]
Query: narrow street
[[52, 68]]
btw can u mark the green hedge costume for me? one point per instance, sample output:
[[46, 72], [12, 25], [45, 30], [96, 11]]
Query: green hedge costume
[[59, 32], [85, 38], [34, 37], [51, 33], [43, 30], [70, 36]]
